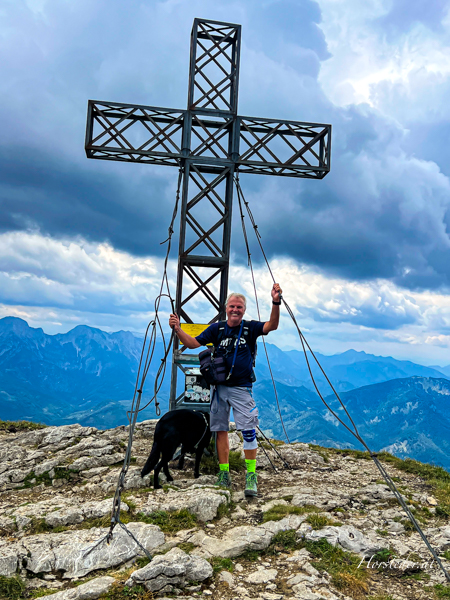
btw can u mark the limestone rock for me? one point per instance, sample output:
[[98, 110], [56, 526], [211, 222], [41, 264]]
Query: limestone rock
[[202, 480], [375, 492], [347, 537], [94, 472], [298, 454], [175, 568], [440, 537], [262, 575], [239, 539], [77, 514], [66, 552], [200, 501], [87, 591], [8, 559], [227, 577], [63, 436], [50, 559]]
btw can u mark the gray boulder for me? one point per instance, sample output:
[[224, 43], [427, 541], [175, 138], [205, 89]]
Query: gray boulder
[[262, 575], [8, 559], [347, 537], [87, 591], [246, 537], [203, 502], [375, 492], [66, 552], [176, 568]]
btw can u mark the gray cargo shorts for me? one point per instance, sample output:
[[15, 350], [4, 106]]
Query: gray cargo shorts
[[240, 399]]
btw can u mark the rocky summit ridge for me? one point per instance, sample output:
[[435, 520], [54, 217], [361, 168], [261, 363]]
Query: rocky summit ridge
[[327, 528]]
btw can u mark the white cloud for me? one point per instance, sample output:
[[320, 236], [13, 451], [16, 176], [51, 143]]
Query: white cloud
[[406, 75], [58, 284]]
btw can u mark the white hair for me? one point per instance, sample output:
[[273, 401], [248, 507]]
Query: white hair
[[235, 295]]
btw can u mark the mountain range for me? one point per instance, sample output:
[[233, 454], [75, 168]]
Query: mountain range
[[88, 376]]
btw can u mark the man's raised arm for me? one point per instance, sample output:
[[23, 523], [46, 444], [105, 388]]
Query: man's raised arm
[[272, 323], [186, 339]]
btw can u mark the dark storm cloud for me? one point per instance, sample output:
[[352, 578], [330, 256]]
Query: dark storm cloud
[[59, 198], [56, 58], [378, 214], [382, 212]]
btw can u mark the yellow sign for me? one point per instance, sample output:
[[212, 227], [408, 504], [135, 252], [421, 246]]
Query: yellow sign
[[193, 329]]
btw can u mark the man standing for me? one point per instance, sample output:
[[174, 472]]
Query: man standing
[[237, 393]]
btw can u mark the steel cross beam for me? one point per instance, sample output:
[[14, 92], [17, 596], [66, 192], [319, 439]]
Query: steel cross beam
[[210, 142]]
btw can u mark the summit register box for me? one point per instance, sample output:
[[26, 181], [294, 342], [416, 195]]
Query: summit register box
[[196, 394]]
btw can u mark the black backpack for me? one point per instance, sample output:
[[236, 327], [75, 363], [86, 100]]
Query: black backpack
[[213, 367]]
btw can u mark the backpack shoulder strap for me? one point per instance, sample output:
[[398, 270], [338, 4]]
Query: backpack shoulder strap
[[221, 331]]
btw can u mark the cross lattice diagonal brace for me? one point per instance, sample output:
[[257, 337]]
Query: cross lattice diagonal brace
[[210, 142]]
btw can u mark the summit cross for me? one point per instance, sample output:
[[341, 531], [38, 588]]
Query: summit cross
[[210, 143]]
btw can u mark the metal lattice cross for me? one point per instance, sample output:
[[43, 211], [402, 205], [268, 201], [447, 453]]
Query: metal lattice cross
[[210, 142]]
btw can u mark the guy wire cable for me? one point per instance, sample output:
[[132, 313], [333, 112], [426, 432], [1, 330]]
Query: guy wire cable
[[355, 431], [260, 444], [143, 369], [244, 231], [285, 463]]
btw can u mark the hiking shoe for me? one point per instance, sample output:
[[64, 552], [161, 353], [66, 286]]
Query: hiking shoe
[[223, 479], [251, 488]]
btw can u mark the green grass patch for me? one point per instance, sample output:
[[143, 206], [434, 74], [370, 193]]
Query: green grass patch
[[446, 554], [251, 555], [279, 511], [32, 479], [20, 425], [284, 541], [408, 525], [358, 454], [42, 592], [442, 512], [37, 526], [221, 564], [381, 597], [382, 532], [341, 565], [318, 521], [119, 591], [186, 547], [63, 473], [142, 561], [130, 503], [384, 555], [441, 591], [420, 576], [11, 588], [169, 521], [323, 452], [225, 509], [105, 521]]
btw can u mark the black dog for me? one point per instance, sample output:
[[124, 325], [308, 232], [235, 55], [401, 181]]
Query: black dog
[[186, 427]]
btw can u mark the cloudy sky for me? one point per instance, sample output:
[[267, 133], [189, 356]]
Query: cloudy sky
[[363, 255]]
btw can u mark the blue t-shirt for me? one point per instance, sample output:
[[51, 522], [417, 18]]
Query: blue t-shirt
[[242, 371]]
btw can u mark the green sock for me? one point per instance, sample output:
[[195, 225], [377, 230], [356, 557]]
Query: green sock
[[225, 467], [251, 465]]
